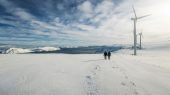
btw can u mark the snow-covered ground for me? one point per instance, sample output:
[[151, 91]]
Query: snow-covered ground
[[86, 74]]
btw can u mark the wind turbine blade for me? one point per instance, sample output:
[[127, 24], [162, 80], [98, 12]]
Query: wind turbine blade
[[134, 11], [143, 16]]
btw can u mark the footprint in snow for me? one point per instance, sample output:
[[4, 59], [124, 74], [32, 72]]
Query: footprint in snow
[[136, 93], [88, 77], [122, 83], [126, 77], [97, 68], [115, 67], [132, 83]]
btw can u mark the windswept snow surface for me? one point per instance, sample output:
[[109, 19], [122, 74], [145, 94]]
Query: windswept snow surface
[[86, 74]]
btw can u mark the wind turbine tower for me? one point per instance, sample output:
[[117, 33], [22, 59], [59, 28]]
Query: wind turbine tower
[[134, 31], [140, 36]]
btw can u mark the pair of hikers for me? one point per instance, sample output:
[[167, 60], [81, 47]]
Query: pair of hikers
[[107, 54]]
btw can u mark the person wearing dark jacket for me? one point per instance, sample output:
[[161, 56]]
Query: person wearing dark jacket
[[105, 55], [109, 54]]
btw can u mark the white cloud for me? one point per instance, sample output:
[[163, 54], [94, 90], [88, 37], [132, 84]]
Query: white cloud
[[104, 7], [156, 27], [23, 14], [115, 24], [12, 8], [86, 8]]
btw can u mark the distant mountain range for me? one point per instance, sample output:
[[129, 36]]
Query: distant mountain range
[[66, 50]]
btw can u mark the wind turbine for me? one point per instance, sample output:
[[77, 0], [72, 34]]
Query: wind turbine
[[140, 36], [140, 39], [135, 21]]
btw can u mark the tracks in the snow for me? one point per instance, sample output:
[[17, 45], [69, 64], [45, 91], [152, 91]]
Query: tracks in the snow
[[91, 81], [126, 82], [124, 67], [118, 73]]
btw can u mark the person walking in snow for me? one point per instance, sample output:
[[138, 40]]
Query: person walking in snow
[[109, 54], [105, 55]]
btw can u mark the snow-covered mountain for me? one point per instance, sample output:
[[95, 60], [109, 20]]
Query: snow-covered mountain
[[28, 50], [67, 50], [16, 51], [45, 49]]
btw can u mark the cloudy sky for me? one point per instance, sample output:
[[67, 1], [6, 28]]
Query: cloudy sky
[[82, 22]]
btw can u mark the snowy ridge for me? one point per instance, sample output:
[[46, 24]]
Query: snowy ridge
[[48, 48], [16, 51], [25, 50], [41, 49]]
